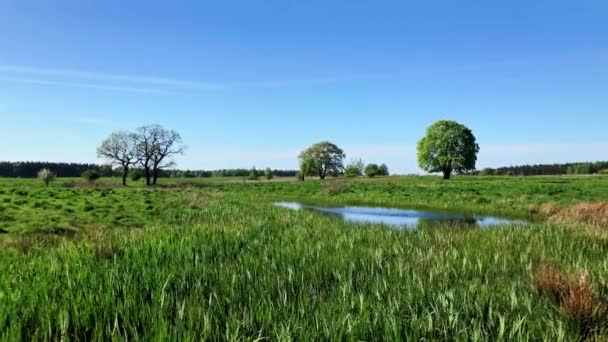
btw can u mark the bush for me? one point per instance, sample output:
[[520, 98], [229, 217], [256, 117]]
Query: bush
[[91, 175], [268, 173], [47, 176], [300, 176], [136, 175], [336, 187], [354, 168], [487, 172], [372, 170], [253, 175], [603, 172]]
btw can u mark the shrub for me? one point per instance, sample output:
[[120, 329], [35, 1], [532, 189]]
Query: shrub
[[603, 172], [253, 175], [136, 175], [487, 172], [47, 176], [354, 168], [372, 170], [336, 187], [300, 176], [268, 173], [91, 175]]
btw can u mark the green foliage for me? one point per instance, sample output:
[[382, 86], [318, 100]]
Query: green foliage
[[221, 263], [354, 168], [136, 175], [383, 170], [253, 174], [447, 147], [603, 172], [322, 159], [336, 187], [46, 176], [487, 172], [306, 169], [268, 173], [300, 176], [91, 175], [372, 170], [580, 169]]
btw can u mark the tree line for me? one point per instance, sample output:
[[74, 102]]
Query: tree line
[[586, 168], [31, 169]]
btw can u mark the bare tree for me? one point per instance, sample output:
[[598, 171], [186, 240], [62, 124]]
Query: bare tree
[[156, 147], [120, 149]]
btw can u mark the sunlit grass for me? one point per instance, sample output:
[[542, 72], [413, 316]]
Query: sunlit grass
[[220, 262]]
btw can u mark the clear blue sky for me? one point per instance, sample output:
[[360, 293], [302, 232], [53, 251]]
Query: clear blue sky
[[254, 82]]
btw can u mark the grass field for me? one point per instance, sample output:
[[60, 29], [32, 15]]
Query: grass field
[[212, 259]]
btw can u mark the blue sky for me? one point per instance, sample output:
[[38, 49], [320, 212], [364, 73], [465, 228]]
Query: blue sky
[[254, 82]]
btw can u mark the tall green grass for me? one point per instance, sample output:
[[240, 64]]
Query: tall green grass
[[215, 264]]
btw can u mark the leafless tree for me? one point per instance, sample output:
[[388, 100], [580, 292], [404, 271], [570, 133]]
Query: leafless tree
[[120, 149], [156, 147]]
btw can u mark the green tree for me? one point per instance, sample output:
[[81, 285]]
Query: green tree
[[383, 170], [354, 168], [253, 174], [447, 147], [323, 158], [47, 176], [268, 173], [372, 170], [91, 175]]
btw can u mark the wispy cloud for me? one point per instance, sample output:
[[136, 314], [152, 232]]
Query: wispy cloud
[[108, 77], [151, 84], [80, 85]]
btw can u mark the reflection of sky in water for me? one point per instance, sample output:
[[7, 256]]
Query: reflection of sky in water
[[402, 217]]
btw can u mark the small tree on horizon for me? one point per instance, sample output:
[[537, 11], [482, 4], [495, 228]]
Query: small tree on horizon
[[119, 149], [156, 147], [447, 147], [47, 176], [268, 173], [372, 170], [354, 168], [253, 175], [323, 158], [91, 175], [383, 170]]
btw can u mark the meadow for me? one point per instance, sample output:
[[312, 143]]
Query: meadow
[[213, 259]]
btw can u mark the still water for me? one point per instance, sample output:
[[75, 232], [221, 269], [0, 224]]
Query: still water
[[403, 218]]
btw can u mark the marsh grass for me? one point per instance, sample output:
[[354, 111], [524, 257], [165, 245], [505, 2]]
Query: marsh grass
[[221, 263]]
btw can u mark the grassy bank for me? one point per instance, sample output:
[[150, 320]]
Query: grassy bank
[[218, 261]]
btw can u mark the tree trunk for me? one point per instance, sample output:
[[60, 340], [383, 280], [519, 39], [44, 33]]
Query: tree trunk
[[321, 174], [155, 176], [125, 173], [447, 173], [147, 172]]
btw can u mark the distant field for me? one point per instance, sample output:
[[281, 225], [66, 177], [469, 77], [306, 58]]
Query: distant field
[[211, 258]]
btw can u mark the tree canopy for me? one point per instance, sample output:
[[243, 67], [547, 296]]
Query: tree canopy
[[322, 159], [447, 147]]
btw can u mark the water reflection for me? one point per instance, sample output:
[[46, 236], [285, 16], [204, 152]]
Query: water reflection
[[404, 218]]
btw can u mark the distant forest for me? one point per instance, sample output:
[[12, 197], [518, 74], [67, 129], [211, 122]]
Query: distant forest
[[30, 170], [588, 168]]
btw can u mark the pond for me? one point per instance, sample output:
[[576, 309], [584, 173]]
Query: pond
[[403, 218]]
